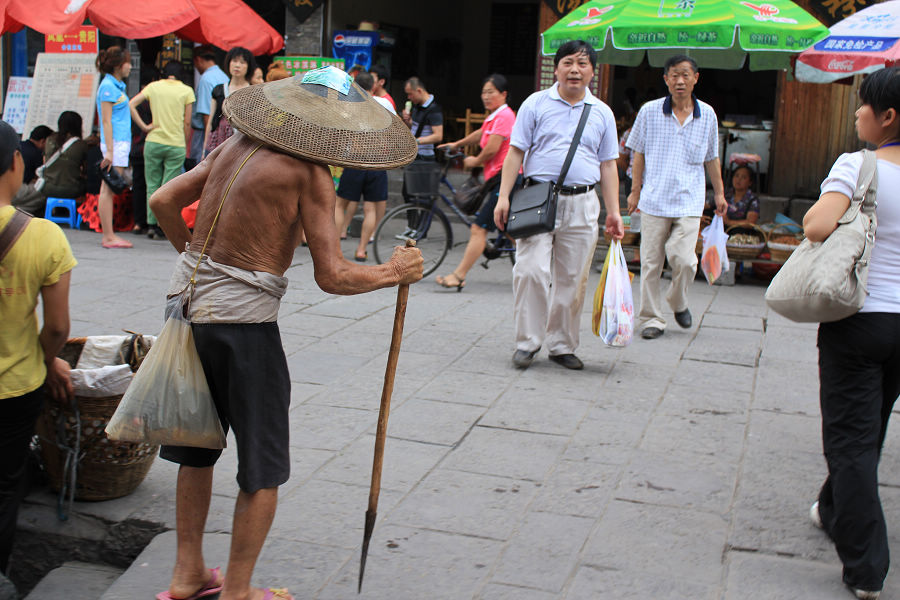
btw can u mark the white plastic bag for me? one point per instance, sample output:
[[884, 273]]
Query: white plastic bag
[[617, 315], [714, 260], [169, 401]]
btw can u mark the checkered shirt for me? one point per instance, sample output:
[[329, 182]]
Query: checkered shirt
[[674, 182]]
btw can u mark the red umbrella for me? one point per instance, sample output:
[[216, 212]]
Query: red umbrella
[[222, 23], [225, 24], [53, 16], [117, 18]]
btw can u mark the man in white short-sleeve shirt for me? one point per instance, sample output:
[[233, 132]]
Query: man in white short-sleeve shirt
[[551, 269], [673, 140]]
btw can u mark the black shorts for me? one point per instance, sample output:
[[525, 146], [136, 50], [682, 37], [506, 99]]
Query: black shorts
[[372, 186], [248, 376], [484, 218]]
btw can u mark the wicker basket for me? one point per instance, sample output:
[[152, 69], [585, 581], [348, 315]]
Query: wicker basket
[[107, 469], [632, 238], [745, 251], [781, 251]]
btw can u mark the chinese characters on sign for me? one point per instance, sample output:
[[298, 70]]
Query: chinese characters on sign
[[15, 108], [66, 81], [298, 65], [846, 7], [82, 40]]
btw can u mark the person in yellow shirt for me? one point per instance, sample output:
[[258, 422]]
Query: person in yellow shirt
[[35, 260], [164, 150]]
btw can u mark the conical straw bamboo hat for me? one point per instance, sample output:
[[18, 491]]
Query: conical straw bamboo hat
[[319, 123]]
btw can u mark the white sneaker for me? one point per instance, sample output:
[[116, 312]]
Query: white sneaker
[[817, 521], [866, 595]]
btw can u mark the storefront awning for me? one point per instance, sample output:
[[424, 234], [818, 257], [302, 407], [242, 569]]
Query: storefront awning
[[222, 23]]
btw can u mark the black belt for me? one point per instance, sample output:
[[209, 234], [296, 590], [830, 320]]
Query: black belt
[[566, 190]]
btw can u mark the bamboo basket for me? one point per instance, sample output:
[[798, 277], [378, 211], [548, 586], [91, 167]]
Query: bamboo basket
[[107, 469], [745, 251], [632, 238], [779, 251]]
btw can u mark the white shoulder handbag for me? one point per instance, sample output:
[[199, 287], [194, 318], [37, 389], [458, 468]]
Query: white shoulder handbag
[[826, 281]]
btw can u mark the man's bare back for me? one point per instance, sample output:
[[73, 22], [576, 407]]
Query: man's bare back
[[259, 226]]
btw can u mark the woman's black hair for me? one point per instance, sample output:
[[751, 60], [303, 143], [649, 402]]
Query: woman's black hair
[[174, 69], [575, 47], [881, 90], [248, 57], [68, 125], [499, 82]]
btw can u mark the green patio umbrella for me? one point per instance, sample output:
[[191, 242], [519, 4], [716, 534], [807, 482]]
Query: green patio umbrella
[[718, 34]]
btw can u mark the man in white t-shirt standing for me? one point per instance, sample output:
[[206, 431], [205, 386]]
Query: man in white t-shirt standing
[[673, 139]]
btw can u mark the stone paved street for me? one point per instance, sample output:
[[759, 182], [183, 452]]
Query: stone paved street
[[677, 468]]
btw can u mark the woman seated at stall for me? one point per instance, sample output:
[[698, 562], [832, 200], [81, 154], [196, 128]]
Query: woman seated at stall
[[743, 205], [65, 159]]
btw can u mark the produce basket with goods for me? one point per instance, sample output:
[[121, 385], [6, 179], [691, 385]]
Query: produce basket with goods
[[745, 242], [782, 242], [81, 462]]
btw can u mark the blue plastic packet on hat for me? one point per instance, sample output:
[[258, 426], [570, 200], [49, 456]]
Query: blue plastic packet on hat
[[330, 77]]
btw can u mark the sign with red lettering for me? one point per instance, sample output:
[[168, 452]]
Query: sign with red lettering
[[83, 40]]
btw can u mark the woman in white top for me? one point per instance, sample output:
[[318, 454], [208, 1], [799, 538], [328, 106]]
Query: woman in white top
[[859, 357]]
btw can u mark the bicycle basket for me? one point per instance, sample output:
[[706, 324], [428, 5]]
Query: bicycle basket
[[422, 178]]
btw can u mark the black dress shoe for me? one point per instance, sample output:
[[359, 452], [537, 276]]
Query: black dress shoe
[[569, 361], [522, 359], [651, 333], [683, 319]]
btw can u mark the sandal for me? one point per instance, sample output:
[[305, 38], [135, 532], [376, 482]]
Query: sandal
[[362, 258], [212, 587], [445, 282]]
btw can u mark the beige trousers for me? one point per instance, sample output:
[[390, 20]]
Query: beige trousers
[[674, 238], [550, 276]]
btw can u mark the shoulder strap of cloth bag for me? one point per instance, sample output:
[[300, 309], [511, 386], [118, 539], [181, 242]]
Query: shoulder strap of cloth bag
[[193, 281], [864, 199], [574, 145], [864, 196], [14, 228]]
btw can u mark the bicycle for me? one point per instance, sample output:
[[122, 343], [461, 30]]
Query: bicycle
[[424, 221]]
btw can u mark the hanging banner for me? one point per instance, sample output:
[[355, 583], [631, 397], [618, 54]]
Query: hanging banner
[[355, 47], [298, 65], [83, 40], [302, 9], [15, 109]]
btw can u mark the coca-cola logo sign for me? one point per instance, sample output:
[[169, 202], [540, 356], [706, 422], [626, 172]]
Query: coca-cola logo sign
[[840, 65]]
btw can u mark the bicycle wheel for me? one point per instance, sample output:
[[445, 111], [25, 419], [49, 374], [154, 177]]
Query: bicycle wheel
[[428, 226]]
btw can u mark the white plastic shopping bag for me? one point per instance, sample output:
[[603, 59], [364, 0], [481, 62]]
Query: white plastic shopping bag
[[617, 315], [169, 401], [714, 260]]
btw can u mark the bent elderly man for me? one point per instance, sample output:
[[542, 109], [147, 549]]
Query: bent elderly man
[[278, 183]]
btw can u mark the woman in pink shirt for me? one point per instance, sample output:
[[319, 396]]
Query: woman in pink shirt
[[493, 138]]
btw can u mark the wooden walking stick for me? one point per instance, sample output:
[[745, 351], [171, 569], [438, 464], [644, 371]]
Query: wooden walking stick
[[383, 412]]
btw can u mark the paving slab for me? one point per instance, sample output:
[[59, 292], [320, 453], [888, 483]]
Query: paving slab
[[75, 581], [683, 545]]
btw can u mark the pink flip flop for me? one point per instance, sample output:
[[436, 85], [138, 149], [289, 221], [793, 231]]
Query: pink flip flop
[[119, 244], [209, 589], [277, 594]]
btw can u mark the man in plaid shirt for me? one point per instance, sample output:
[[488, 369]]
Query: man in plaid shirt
[[673, 140]]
